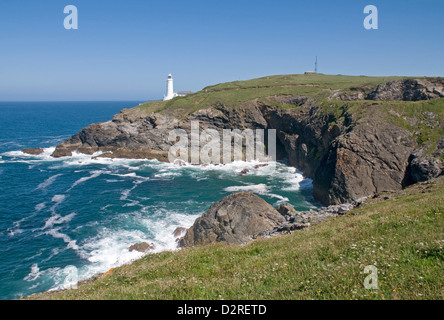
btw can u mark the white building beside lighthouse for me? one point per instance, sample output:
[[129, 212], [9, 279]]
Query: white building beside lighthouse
[[170, 94]]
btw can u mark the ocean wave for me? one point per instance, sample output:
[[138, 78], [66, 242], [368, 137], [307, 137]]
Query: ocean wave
[[19, 156], [58, 219], [40, 206], [166, 174], [261, 189], [61, 278], [15, 229], [33, 274], [45, 184], [126, 193], [110, 249], [94, 174], [57, 199], [257, 188], [16, 226], [71, 244]]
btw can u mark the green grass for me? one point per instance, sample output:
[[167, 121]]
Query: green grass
[[403, 237], [238, 92]]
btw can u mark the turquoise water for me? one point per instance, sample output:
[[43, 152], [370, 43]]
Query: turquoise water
[[66, 219]]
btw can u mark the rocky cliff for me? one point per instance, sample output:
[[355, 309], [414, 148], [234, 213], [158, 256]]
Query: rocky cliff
[[360, 138]]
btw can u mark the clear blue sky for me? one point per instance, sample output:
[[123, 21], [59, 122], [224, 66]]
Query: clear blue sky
[[124, 49]]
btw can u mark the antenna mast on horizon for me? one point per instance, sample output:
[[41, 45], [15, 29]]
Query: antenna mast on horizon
[[316, 65]]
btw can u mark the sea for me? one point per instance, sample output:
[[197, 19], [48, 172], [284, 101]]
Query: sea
[[67, 219]]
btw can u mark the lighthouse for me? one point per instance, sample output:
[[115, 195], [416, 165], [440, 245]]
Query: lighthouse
[[169, 92]]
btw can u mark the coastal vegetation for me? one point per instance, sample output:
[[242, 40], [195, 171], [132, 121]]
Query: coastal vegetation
[[380, 138], [401, 234]]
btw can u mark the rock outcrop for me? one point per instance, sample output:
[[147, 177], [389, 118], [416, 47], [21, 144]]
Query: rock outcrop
[[141, 247], [236, 219], [130, 134], [348, 155], [408, 90], [33, 151]]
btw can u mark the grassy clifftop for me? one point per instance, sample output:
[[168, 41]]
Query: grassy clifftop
[[424, 119], [236, 92], [399, 233]]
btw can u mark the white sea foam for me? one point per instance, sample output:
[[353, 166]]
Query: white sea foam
[[163, 228], [40, 206], [63, 278], [71, 244], [109, 249], [57, 219], [45, 184], [131, 174], [127, 192], [57, 199], [15, 229], [54, 252], [16, 226], [113, 180], [45, 155], [167, 174], [94, 174], [258, 188], [34, 274]]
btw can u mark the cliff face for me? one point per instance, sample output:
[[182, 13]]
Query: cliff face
[[349, 150]]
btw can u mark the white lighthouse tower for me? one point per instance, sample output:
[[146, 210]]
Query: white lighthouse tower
[[169, 92]]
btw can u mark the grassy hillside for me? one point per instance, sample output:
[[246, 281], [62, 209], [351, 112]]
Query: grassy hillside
[[230, 93], [402, 234]]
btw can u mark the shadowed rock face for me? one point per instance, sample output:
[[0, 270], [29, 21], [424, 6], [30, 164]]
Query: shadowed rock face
[[236, 219], [371, 158], [408, 90]]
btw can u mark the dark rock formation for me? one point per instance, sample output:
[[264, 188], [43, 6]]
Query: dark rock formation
[[286, 210], [423, 167], [179, 231], [236, 219], [408, 90], [141, 247], [371, 158], [33, 151]]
